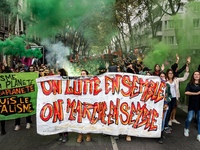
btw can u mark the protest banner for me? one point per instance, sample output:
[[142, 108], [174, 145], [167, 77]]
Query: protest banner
[[112, 103], [18, 93]]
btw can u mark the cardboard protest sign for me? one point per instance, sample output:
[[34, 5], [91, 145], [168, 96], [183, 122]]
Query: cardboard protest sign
[[112, 103], [18, 93]]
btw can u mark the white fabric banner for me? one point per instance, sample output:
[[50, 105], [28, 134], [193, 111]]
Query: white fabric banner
[[112, 103]]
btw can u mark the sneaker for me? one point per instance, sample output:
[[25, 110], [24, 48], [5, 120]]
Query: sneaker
[[160, 141], [170, 123], [64, 137], [167, 130], [28, 126], [60, 138], [186, 132], [175, 121], [116, 137], [198, 137], [128, 138], [17, 127], [162, 135]]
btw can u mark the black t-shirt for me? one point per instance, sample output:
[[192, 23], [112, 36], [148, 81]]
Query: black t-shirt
[[129, 70], [194, 100], [112, 69]]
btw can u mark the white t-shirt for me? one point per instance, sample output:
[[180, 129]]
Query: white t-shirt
[[172, 88]]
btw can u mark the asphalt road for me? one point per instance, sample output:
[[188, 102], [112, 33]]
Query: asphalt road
[[29, 140]]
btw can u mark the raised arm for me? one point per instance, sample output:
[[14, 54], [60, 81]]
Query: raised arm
[[186, 74], [186, 64]]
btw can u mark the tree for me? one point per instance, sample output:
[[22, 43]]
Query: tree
[[91, 25], [124, 16], [169, 7], [5, 7]]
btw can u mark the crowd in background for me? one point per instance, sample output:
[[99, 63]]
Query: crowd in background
[[171, 77]]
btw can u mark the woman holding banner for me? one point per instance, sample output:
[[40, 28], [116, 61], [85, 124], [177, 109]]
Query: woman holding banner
[[63, 136], [80, 135], [165, 107], [28, 118]]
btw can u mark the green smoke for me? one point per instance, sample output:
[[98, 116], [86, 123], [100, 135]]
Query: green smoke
[[48, 17], [186, 29], [159, 54], [17, 46], [187, 39], [189, 34]]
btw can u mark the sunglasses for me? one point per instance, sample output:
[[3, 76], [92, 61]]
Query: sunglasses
[[41, 70]]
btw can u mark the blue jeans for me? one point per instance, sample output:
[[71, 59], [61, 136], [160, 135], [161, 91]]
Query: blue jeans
[[189, 119], [163, 120]]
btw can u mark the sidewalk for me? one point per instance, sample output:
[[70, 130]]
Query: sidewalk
[[183, 107]]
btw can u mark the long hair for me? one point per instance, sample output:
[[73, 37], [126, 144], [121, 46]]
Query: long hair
[[167, 74], [192, 81], [63, 72], [155, 67]]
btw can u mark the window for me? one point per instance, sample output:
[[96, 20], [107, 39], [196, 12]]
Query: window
[[165, 39], [196, 7], [171, 24], [181, 9], [171, 40], [159, 27], [196, 39], [179, 23], [165, 24], [196, 23]]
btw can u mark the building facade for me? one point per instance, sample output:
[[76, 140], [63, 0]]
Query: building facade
[[185, 27], [11, 24]]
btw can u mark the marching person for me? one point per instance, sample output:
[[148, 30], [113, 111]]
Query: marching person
[[80, 135], [177, 71], [63, 136], [28, 118], [4, 69], [193, 92], [174, 89]]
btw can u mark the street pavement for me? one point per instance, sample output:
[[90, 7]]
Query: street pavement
[[29, 140]]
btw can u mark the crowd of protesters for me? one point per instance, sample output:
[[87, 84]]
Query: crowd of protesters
[[170, 77]]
